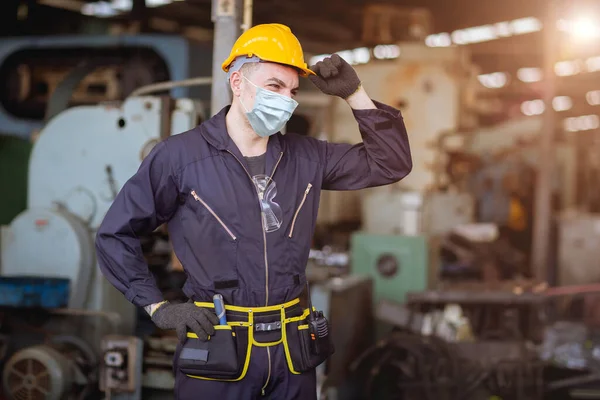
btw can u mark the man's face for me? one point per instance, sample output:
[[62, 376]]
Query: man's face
[[274, 77]]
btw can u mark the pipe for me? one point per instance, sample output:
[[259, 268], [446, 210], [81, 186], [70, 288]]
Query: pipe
[[112, 317], [593, 288], [227, 19], [159, 87], [543, 189], [247, 24], [575, 381]]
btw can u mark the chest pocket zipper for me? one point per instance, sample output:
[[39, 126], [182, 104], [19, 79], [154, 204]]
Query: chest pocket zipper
[[299, 208], [210, 210]]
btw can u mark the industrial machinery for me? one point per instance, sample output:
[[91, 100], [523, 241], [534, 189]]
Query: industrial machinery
[[396, 264], [421, 79], [63, 368], [121, 374], [40, 76], [578, 251], [414, 213], [79, 162], [74, 175]]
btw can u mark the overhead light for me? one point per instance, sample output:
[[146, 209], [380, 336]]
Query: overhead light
[[157, 3], [386, 51], [122, 5], [476, 34], [439, 40], [316, 59], [562, 103], [567, 68], [523, 26], [529, 74], [593, 64], [494, 80], [485, 33], [582, 123], [362, 55], [503, 29], [98, 9], [593, 97], [533, 107], [583, 27], [115, 7], [561, 68]]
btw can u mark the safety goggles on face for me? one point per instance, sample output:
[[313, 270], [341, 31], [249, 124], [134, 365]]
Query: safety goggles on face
[[272, 216]]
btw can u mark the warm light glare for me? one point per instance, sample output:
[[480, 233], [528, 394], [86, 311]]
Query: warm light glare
[[485, 33], [386, 51], [567, 68], [562, 103], [593, 64], [533, 107], [359, 55], [362, 55], [529, 74], [593, 97], [583, 28], [439, 40], [494, 80], [582, 123]]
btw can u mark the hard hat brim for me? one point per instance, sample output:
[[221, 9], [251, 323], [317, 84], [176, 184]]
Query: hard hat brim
[[302, 71]]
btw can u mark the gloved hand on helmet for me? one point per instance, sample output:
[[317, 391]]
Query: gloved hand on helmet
[[335, 77], [180, 317]]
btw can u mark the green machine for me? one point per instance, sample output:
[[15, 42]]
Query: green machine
[[397, 264], [14, 166]]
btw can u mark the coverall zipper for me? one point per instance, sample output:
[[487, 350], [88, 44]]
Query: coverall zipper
[[269, 374], [265, 251], [197, 198], [299, 208], [264, 234]]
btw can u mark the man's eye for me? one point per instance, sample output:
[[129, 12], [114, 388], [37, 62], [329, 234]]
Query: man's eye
[[274, 86]]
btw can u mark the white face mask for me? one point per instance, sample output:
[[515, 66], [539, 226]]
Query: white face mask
[[271, 111]]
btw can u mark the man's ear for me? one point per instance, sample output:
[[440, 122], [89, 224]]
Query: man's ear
[[235, 83]]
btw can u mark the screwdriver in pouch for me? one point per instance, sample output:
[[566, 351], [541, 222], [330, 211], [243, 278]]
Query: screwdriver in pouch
[[317, 326], [220, 308]]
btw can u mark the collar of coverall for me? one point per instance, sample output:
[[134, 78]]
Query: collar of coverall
[[214, 131]]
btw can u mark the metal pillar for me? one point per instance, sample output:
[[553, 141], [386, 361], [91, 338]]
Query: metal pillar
[[543, 192], [227, 16]]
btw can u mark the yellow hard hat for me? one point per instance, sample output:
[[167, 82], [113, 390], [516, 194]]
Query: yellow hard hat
[[270, 42]]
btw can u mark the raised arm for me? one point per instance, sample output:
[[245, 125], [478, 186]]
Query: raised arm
[[384, 156]]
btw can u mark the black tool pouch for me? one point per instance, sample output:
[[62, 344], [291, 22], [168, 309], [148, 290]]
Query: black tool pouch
[[298, 349], [224, 356]]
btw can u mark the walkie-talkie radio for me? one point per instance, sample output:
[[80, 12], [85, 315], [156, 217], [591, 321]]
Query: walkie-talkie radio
[[318, 328]]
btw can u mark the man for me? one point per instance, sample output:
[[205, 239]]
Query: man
[[241, 201]]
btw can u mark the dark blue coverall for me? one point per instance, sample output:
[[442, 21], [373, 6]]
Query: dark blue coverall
[[225, 249]]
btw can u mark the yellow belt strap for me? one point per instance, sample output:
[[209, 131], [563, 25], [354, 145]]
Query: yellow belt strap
[[251, 309]]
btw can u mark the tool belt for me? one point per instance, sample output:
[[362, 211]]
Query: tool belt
[[225, 356]]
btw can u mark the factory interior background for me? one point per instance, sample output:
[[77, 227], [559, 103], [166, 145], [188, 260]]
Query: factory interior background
[[476, 277]]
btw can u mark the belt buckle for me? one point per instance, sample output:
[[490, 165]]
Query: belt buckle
[[267, 326]]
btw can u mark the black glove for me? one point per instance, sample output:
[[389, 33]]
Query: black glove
[[180, 317], [335, 77]]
